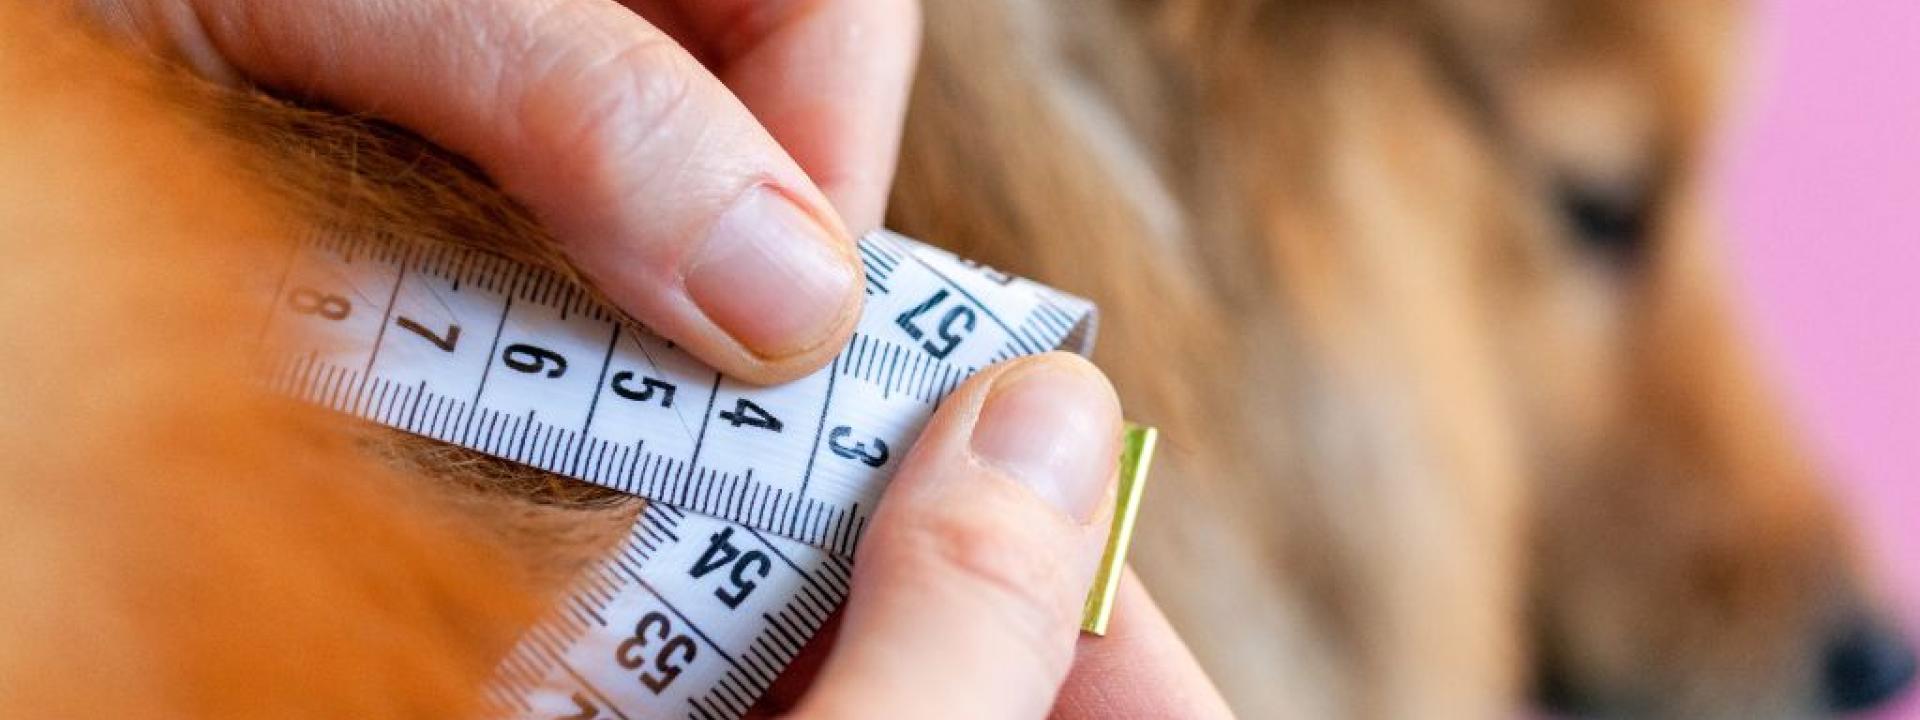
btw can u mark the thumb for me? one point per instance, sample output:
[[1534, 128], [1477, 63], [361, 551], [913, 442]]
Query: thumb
[[969, 584]]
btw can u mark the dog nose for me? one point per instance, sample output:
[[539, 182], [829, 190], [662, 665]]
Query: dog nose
[[1866, 664]]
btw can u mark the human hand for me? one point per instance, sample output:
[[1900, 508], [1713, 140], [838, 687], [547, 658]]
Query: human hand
[[968, 588], [672, 146]]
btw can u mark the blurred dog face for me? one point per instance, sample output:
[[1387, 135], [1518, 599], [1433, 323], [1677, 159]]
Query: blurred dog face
[[1426, 287], [1685, 560]]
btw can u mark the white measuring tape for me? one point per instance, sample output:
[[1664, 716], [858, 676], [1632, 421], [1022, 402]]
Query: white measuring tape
[[758, 493], [694, 616]]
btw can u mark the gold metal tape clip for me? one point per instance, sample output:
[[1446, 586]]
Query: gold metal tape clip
[[1136, 458]]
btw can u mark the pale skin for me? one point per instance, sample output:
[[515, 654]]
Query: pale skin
[[707, 164]]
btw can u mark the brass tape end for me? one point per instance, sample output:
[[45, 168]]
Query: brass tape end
[[1136, 458]]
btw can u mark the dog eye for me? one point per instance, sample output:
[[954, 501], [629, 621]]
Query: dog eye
[[1609, 220]]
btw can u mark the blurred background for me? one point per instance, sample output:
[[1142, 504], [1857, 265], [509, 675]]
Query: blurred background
[[1819, 194]]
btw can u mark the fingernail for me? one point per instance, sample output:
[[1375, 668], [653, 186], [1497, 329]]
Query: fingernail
[[1054, 428], [770, 275]]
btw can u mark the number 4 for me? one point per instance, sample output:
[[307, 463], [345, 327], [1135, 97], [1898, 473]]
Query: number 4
[[746, 412]]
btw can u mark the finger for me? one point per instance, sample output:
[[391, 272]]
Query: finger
[[969, 583], [660, 185], [1140, 668], [829, 79]]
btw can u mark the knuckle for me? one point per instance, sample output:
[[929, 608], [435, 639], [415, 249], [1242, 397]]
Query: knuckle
[[595, 106], [1017, 566]]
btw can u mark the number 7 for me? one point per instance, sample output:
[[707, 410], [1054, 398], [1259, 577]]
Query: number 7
[[446, 344]]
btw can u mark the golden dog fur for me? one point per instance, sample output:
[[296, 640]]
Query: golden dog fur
[[1425, 438]]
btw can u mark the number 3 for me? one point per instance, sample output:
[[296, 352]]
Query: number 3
[[857, 451]]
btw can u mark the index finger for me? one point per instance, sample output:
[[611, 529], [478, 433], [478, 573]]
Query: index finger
[[828, 79], [655, 179]]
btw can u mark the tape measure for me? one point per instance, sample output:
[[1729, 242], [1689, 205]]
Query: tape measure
[[758, 495]]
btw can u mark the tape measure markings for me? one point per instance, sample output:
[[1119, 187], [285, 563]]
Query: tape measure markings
[[878, 265], [1021, 343], [819, 430], [673, 578], [352, 308], [717, 607]]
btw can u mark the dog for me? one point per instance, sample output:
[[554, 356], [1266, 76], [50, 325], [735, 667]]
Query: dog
[[1420, 291]]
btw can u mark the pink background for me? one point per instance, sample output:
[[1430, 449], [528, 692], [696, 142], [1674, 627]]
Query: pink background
[[1820, 202]]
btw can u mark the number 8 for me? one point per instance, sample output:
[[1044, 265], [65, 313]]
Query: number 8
[[308, 301]]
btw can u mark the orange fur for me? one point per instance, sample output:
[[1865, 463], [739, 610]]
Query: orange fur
[[176, 545]]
